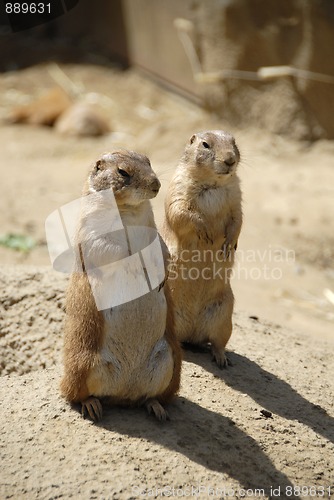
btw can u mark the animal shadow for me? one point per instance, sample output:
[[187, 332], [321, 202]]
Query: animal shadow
[[268, 390], [205, 437]]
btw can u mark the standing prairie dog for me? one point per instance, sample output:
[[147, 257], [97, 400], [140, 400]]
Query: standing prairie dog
[[126, 354], [203, 218]]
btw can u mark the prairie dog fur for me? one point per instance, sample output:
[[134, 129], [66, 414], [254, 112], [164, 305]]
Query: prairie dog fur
[[126, 354], [203, 219]]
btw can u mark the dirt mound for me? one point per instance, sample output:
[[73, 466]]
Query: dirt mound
[[31, 314], [266, 422]]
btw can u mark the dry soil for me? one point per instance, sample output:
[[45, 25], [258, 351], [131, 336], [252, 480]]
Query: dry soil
[[219, 436]]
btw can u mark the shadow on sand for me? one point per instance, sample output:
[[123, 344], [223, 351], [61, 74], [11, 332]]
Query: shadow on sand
[[268, 391], [204, 437], [213, 440]]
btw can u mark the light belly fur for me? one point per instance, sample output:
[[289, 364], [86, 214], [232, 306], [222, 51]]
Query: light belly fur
[[196, 285], [135, 360]]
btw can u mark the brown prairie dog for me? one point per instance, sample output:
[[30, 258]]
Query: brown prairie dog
[[203, 218], [126, 354]]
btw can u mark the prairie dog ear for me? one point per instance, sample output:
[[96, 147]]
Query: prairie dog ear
[[192, 138], [95, 169], [97, 166]]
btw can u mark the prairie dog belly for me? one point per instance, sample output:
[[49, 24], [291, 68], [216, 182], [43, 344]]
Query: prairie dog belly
[[135, 360], [198, 278]]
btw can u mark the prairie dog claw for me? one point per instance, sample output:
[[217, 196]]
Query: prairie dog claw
[[92, 409]]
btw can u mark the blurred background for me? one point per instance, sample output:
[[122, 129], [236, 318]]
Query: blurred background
[[146, 75]]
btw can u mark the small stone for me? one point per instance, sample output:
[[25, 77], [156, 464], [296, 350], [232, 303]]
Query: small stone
[[266, 413]]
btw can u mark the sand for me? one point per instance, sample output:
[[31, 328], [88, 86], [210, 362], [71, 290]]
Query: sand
[[282, 362]]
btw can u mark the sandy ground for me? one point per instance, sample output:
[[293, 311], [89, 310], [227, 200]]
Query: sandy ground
[[217, 438], [282, 363]]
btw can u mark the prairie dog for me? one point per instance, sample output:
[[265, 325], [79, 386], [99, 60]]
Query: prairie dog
[[126, 354], [44, 110], [203, 219]]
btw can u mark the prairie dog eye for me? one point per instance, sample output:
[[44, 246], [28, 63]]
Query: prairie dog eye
[[205, 145], [123, 173]]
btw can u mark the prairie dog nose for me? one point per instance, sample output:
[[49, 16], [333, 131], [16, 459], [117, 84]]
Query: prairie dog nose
[[155, 185], [230, 159]]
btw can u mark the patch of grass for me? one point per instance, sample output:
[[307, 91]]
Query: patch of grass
[[18, 242]]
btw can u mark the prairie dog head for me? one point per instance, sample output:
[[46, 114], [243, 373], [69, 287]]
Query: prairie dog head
[[212, 156], [127, 173]]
